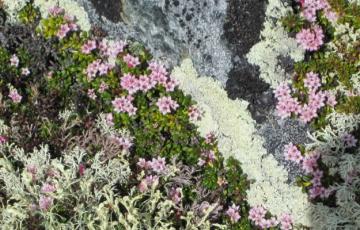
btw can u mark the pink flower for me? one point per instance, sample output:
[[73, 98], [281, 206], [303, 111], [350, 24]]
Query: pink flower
[[312, 81], [286, 106], [14, 60], [233, 213], [210, 138], [286, 221], [143, 186], [55, 11], [158, 73], [175, 194], [201, 162], [194, 113], [45, 202], [158, 165], [309, 163], [316, 100], [209, 154], [130, 83], [48, 188], [92, 69], [330, 99], [131, 61], [331, 15], [109, 119], [73, 26], [103, 68], [82, 168], [145, 83], [64, 29], [124, 104], [88, 46], [103, 86], [165, 104], [111, 48], [91, 94], [310, 39], [282, 91], [318, 191], [15, 96], [32, 169], [256, 214], [142, 163], [2, 139], [171, 84], [292, 153], [349, 140], [152, 181], [307, 113], [124, 142]]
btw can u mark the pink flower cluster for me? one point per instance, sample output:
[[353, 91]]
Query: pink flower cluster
[[194, 113], [165, 104], [48, 188], [103, 86], [257, 215], [91, 94], [317, 190], [15, 96], [14, 60], [310, 7], [292, 153], [55, 11], [210, 138], [288, 105], [124, 105], [124, 142], [2, 139], [149, 182], [175, 195], [109, 118], [233, 213], [131, 61], [286, 221], [349, 140], [158, 165], [45, 202], [89, 46], [130, 83], [207, 156], [311, 39], [309, 165], [65, 29], [96, 67], [111, 48]]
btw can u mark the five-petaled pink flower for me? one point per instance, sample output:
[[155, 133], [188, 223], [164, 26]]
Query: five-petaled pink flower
[[131, 61], [165, 104], [15, 96], [233, 213]]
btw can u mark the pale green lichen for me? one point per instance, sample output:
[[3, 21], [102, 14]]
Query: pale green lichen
[[275, 44], [235, 129]]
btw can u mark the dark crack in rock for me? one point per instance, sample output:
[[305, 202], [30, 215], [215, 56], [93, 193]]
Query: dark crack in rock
[[111, 9], [278, 133]]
